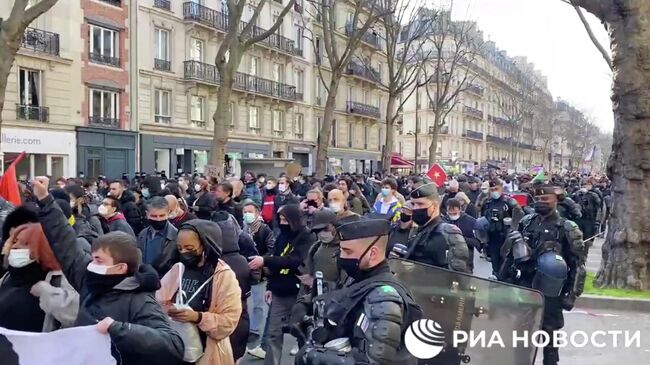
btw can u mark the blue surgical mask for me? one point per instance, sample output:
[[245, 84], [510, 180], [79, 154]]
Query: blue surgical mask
[[495, 195], [385, 191], [145, 192]]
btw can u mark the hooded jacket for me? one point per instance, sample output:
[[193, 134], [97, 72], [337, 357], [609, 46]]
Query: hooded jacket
[[118, 223], [225, 306], [141, 333], [131, 211], [252, 192]]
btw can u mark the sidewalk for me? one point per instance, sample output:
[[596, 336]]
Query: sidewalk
[[595, 255]]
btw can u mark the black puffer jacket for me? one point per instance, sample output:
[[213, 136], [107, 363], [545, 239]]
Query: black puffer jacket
[[131, 211], [231, 256], [141, 333], [204, 205]]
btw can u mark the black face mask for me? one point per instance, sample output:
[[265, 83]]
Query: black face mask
[[191, 258], [285, 229], [543, 209], [405, 217], [421, 216], [98, 283], [351, 265], [158, 225]]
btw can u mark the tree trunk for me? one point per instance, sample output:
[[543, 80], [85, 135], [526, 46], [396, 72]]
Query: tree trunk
[[325, 132], [221, 119], [433, 147], [8, 49], [626, 252], [387, 151]]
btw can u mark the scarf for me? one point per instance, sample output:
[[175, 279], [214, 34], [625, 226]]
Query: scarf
[[256, 225]]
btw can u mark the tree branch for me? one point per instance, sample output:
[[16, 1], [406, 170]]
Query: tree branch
[[595, 41], [37, 10], [599, 8]]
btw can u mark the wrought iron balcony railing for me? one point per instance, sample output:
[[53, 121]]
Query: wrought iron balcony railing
[[363, 71], [473, 112], [203, 72], [103, 122], [162, 65], [207, 16], [368, 37], [475, 89], [40, 41], [28, 112], [473, 135], [497, 120], [104, 60], [363, 109], [498, 140]]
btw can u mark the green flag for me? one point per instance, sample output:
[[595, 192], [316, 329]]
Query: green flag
[[540, 176]]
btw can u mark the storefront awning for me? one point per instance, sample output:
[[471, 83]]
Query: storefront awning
[[398, 162]]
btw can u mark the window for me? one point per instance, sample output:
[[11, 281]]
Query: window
[[278, 74], [350, 17], [231, 107], [197, 104], [299, 126], [254, 66], [380, 67], [278, 123], [350, 94], [350, 134], [333, 133], [161, 44], [418, 123], [196, 50], [104, 107], [366, 97], [298, 31], [253, 120], [162, 101], [30, 87], [300, 81], [365, 137], [104, 46]]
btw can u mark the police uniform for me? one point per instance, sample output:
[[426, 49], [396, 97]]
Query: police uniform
[[590, 203], [560, 240], [372, 311], [438, 243], [496, 210]]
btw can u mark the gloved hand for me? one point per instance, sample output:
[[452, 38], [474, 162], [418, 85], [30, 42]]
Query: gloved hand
[[514, 237], [568, 301]]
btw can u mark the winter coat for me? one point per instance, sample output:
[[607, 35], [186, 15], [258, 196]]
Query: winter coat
[[118, 223], [58, 299], [264, 240], [203, 205], [281, 200], [233, 209], [179, 220], [141, 333], [252, 192], [168, 251], [289, 255], [131, 212]]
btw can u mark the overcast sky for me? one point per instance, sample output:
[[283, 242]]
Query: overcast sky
[[551, 35]]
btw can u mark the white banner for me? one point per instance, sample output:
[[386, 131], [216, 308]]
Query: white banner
[[71, 346], [38, 141]]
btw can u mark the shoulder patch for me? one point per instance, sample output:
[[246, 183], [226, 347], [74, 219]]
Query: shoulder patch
[[387, 289]]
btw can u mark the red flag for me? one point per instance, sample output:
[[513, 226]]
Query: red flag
[[437, 174], [9, 184]]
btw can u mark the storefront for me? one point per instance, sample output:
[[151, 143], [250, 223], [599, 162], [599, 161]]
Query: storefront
[[50, 153], [348, 161], [105, 152], [188, 155], [304, 155]]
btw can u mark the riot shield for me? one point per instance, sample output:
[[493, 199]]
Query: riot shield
[[489, 313]]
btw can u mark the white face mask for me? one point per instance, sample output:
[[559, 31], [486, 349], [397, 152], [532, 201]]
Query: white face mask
[[197, 187], [454, 217], [102, 210], [73, 204], [98, 269], [282, 188], [326, 236], [19, 257], [336, 207]]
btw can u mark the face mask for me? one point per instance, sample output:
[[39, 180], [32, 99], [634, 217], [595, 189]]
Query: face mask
[[421, 216], [73, 204], [485, 191], [336, 207], [583, 190], [197, 187], [191, 258], [325, 236], [98, 281], [453, 217], [495, 195], [351, 266], [249, 218], [543, 208], [172, 215], [19, 257], [405, 217], [158, 225], [102, 210], [285, 228], [61, 186], [145, 193], [385, 192], [98, 269], [282, 188]]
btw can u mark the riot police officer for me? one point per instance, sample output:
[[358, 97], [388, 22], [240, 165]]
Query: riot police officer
[[346, 327], [568, 208], [590, 204], [496, 209], [547, 253], [436, 243]]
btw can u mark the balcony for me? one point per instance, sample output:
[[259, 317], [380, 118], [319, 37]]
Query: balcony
[[473, 112], [203, 72], [476, 90], [162, 119], [104, 60], [470, 134], [362, 71], [206, 16], [497, 120], [162, 65], [40, 41], [300, 96], [368, 37], [444, 130], [29, 112], [103, 122], [117, 3], [162, 4], [363, 109], [498, 140], [274, 41]]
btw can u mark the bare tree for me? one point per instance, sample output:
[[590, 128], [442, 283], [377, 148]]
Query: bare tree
[[11, 35], [451, 51], [543, 129], [338, 52], [240, 37], [406, 28]]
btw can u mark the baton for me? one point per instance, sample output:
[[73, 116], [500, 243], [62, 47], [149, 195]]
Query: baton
[[594, 237]]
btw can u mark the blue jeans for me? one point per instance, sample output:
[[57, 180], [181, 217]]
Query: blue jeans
[[257, 308]]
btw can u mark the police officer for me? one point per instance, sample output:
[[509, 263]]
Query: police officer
[[436, 243], [568, 208], [590, 204], [496, 209], [547, 253], [362, 322]]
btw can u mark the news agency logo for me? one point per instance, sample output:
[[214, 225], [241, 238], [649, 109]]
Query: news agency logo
[[424, 339]]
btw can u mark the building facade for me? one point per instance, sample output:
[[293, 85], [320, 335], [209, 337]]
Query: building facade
[[41, 109]]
